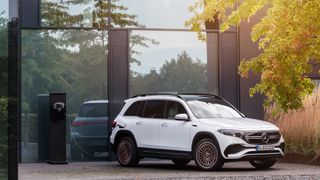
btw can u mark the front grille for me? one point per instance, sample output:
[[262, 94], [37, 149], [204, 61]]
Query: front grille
[[262, 137]]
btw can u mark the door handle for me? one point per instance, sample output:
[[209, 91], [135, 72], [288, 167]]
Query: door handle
[[139, 123], [164, 125]]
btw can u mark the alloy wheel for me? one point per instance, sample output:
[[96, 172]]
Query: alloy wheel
[[207, 155], [125, 151]]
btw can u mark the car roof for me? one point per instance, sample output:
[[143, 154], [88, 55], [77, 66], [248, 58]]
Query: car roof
[[96, 101], [183, 96]]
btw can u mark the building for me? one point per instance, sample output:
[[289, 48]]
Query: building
[[103, 49]]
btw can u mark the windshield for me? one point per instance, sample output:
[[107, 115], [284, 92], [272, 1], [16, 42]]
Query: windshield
[[212, 108], [94, 110]]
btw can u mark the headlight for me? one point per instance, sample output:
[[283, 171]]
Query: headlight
[[231, 132]]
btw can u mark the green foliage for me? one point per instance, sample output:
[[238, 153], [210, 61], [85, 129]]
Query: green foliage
[[71, 61], [181, 74], [288, 35], [3, 131], [3, 55], [3, 93], [68, 61]]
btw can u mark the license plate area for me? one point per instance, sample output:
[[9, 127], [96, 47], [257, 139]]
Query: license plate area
[[265, 147]]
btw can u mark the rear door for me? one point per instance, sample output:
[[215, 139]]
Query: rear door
[[145, 126]]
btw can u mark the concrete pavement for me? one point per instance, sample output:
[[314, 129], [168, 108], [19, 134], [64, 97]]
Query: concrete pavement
[[163, 170]]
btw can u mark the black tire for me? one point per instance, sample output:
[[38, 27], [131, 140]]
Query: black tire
[[127, 152], [263, 164], [76, 153], [180, 162], [207, 155]]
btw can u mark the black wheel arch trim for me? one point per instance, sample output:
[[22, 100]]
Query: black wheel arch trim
[[205, 134], [119, 134]]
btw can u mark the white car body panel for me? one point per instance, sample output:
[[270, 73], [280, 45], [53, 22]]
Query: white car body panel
[[178, 135]]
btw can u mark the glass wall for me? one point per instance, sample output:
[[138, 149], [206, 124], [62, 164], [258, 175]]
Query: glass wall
[[169, 61], [154, 13], [3, 88], [75, 61], [66, 13], [70, 61]]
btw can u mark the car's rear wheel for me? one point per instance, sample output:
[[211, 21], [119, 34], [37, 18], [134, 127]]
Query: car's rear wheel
[[180, 162], [263, 164], [126, 152], [207, 155]]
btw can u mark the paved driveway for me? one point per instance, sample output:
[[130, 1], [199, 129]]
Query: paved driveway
[[163, 170]]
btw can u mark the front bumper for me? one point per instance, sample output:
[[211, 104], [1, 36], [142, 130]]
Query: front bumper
[[236, 149], [248, 152]]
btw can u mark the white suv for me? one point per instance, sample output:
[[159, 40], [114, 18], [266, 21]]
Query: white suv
[[200, 127]]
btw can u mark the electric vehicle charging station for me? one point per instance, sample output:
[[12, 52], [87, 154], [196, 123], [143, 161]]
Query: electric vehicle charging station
[[52, 128]]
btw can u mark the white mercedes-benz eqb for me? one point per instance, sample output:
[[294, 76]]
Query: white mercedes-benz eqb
[[200, 127]]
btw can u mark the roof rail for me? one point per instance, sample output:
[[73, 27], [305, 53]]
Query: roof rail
[[159, 93], [178, 94], [203, 94]]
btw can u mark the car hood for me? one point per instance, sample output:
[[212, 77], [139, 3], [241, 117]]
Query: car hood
[[239, 123]]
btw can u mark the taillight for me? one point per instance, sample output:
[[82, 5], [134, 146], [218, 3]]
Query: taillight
[[75, 124], [114, 124]]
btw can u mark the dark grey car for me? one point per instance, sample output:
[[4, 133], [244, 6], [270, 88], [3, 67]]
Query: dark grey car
[[89, 130]]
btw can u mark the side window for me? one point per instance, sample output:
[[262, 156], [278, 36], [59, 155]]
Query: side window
[[173, 108], [154, 109], [141, 108], [133, 109]]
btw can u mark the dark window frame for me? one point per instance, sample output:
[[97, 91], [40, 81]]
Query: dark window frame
[[145, 106], [165, 109]]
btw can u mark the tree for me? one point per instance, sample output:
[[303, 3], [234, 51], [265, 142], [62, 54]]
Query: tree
[[288, 34], [72, 61], [180, 74], [183, 74], [3, 55], [3, 91]]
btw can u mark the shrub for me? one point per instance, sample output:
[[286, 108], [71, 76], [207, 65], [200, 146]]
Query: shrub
[[300, 128], [3, 131]]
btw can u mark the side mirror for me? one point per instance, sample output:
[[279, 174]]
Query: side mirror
[[182, 117]]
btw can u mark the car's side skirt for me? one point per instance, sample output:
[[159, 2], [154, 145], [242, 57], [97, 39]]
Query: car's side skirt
[[164, 154]]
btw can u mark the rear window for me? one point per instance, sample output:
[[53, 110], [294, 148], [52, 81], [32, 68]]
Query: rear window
[[94, 110], [133, 109]]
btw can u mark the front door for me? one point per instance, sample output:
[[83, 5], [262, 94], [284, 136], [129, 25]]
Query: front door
[[174, 134]]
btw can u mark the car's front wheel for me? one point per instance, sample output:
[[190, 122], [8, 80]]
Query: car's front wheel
[[126, 152], [207, 155], [263, 164]]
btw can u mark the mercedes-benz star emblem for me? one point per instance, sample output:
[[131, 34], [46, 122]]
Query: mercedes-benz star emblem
[[265, 137]]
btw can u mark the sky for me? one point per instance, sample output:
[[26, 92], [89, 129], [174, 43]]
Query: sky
[[170, 45], [158, 14], [4, 7]]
